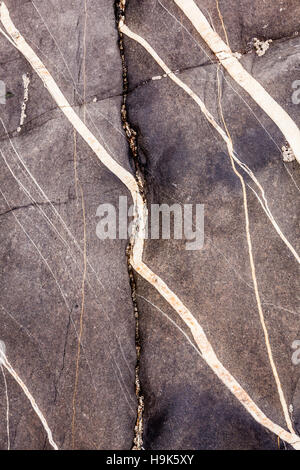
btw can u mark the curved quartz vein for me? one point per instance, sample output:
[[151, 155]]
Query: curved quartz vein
[[5, 363], [227, 138]]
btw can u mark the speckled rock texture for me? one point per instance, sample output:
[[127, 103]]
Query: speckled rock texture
[[51, 184]]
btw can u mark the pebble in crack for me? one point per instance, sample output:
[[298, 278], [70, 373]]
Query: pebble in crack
[[288, 154], [26, 81], [261, 47]]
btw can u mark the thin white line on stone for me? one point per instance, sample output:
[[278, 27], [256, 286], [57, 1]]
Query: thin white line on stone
[[140, 217], [4, 362], [257, 92], [26, 81]]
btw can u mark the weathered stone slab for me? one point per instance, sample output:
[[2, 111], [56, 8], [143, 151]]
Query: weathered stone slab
[[52, 184], [186, 162], [42, 266]]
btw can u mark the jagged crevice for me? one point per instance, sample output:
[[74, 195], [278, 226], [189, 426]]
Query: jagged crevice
[[131, 134]]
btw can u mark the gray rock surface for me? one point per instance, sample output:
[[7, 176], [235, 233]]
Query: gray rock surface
[[183, 161], [42, 268]]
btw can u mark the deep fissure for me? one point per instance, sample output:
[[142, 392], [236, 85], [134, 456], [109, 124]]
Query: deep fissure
[[131, 135]]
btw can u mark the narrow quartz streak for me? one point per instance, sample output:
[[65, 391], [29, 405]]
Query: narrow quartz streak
[[263, 201], [26, 81], [84, 59], [131, 135], [257, 92], [59, 287], [4, 362], [138, 235], [56, 231], [54, 277], [222, 22], [253, 271], [229, 84], [66, 303], [83, 284], [68, 69]]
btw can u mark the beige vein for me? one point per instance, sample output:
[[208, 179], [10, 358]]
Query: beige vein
[[81, 317], [75, 162], [125, 30], [68, 69], [229, 84], [84, 59], [77, 182], [227, 139], [54, 277], [253, 272], [4, 362], [7, 406], [222, 22]]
